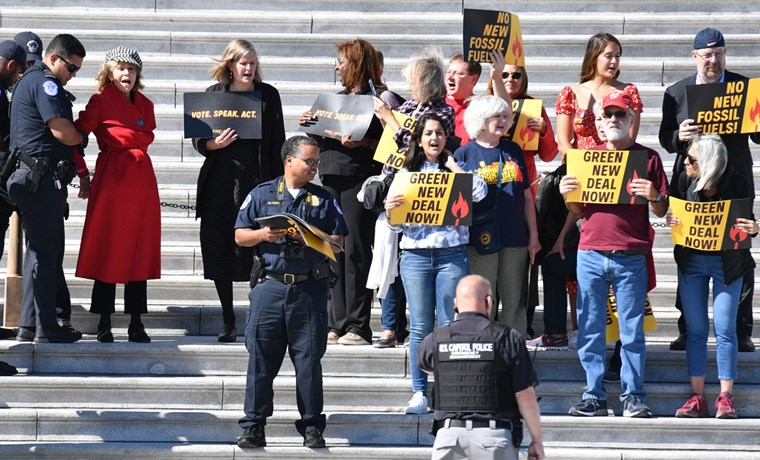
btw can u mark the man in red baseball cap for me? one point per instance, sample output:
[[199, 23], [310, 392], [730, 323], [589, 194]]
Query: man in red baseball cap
[[611, 252]]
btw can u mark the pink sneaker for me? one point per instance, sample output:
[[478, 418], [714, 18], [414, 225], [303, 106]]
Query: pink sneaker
[[725, 406], [695, 407]]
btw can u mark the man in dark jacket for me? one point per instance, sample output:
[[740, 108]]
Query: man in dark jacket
[[677, 130]]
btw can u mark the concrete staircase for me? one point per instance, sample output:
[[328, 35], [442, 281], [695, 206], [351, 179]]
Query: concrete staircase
[[181, 395]]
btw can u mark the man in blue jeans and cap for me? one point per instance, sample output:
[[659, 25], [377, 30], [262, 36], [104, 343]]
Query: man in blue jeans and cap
[[611, 252]]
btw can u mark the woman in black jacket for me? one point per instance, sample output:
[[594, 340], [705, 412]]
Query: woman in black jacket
[[708, 178], [232, 168]]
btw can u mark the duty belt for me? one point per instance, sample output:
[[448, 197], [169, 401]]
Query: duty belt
[[316, 273], [470, 424]]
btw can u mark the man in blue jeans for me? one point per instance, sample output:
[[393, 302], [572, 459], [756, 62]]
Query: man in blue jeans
[[611, 252]]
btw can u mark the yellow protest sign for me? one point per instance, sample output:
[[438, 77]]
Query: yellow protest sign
[[709, 226], [613, 327], [486, 30], [725, 108], [387, 151], [432, 198], [519, 133], [605, 176]]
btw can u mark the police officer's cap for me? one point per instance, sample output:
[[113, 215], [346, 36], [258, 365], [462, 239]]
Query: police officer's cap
[[11, 50], [126, 55], [31, 43]]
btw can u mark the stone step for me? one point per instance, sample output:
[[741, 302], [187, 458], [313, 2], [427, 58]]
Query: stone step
[[177, 450], [69, 425], [342, 394], [394, 45], [186, 356], [366, 22], [180, 450]]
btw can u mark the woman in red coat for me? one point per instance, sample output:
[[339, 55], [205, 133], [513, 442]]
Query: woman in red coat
[[121, 241]]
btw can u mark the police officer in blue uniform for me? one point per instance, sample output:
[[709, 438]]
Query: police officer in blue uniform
[[12, 58], [44, 136], [484, 382], [289, 291]]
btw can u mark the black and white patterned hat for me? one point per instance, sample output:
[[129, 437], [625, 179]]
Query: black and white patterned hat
[[124, 54]]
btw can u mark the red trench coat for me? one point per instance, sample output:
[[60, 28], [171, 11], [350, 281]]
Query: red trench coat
[[121, 241]]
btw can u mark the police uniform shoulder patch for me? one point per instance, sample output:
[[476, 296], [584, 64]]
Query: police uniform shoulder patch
[[337, 206], [246, 202], [50, 88]]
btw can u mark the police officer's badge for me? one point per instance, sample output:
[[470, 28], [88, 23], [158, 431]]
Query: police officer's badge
[[315, 200], [50, 88]]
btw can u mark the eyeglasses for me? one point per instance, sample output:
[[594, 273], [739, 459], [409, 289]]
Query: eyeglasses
[[69, 66], [450, 73], [617, 114], [310, 162], [515, 75], [714, 54], [690, 159]]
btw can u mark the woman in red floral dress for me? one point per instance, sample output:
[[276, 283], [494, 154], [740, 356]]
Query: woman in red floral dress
[[599, 77]]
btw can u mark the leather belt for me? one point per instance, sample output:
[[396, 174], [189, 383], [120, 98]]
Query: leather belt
[[625, 252], [470, 424], [317, 273]]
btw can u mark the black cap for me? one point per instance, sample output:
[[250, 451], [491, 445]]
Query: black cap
[[9, 49], [708, 38], [31, 43]]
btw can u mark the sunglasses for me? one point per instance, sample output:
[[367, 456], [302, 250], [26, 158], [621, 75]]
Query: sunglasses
[[514, 75], [69, 66], [690, 159], [617, 114], [310, 162]]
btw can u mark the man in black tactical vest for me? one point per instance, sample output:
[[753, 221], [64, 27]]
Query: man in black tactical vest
[[484, 382]]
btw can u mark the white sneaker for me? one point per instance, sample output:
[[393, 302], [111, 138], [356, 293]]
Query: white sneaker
[[418, 404]]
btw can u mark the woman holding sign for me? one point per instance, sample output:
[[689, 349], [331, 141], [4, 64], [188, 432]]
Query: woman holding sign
[[599, 73], [231, 169], [504, 237], [434, 257], [121, 241], [344, 166], [708, 179]]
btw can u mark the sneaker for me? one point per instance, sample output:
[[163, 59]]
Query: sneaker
[[352, 339], [313, 439], [725, 406], [590, 407], [253, 436], [634, 407], [418, 404], [695, 407], [572, 340], [611, 376], [547, 342], [332, 338]]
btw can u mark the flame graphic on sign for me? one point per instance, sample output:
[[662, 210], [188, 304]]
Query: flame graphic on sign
[[460, 208], [628, 186], [754, 114], [737, 236], [527, 134], [517, 48]]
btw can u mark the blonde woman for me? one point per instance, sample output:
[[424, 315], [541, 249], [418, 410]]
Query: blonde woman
[[232, 168]]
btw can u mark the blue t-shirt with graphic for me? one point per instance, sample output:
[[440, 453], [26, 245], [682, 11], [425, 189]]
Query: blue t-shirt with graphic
[[484, 161]]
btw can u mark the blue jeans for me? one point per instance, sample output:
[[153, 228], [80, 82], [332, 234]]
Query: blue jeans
[[554, 271], [430, 281], [694, 284], [627, 274], [393, 308]]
